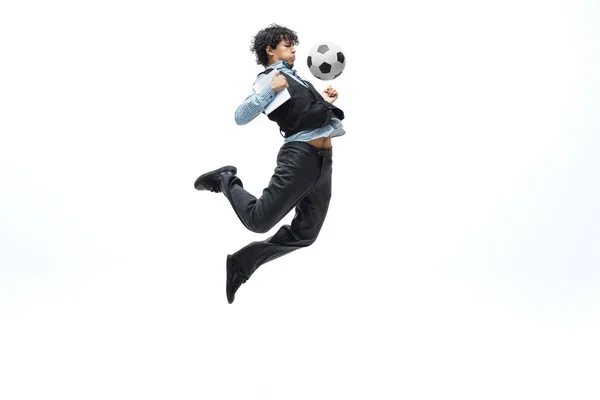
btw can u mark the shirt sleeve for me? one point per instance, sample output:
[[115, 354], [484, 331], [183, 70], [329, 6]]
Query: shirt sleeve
[[254, 104]]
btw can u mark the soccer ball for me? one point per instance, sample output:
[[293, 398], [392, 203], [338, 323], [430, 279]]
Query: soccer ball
[[326, 61]]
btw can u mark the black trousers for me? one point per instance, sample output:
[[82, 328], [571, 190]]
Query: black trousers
[[302, 179]]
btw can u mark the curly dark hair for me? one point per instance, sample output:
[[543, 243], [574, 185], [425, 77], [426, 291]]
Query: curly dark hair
[[270, 36]]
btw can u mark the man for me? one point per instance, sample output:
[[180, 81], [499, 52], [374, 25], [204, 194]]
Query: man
[[302, 177]]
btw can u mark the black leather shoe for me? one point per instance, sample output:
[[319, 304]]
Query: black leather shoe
[[212, 180], [234, 279]]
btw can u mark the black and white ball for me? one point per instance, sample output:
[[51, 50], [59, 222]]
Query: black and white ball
[[326, 61]]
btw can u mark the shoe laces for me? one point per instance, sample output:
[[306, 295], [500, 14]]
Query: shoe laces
[[244, 277], [216, 188]]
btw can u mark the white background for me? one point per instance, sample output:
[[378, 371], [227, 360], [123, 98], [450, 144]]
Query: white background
[[459, 258]]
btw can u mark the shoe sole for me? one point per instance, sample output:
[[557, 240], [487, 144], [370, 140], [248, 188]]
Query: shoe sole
[[228, 168], [228, 267]]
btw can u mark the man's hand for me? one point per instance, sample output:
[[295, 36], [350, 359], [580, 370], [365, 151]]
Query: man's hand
[[279, 82], [330, 94]]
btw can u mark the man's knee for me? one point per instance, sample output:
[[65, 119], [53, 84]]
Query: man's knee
[[261, 226], [308, 238]]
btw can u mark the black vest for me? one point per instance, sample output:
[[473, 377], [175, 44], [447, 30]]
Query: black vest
[[305, 110]]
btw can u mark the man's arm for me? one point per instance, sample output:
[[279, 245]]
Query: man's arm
[[256, 102], [253, 105]]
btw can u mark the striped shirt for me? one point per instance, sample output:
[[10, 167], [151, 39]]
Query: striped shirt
[[255, 104]]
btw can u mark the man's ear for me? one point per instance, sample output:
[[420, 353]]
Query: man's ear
[[270, 50]]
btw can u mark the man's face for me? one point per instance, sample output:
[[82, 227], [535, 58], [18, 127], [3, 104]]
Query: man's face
[[284, 51]]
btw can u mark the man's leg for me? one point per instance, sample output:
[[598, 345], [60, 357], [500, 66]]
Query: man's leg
[[298, 168], [302, 232]]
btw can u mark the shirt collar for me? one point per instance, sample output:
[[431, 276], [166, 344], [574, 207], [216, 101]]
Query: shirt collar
[[282, 64]]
